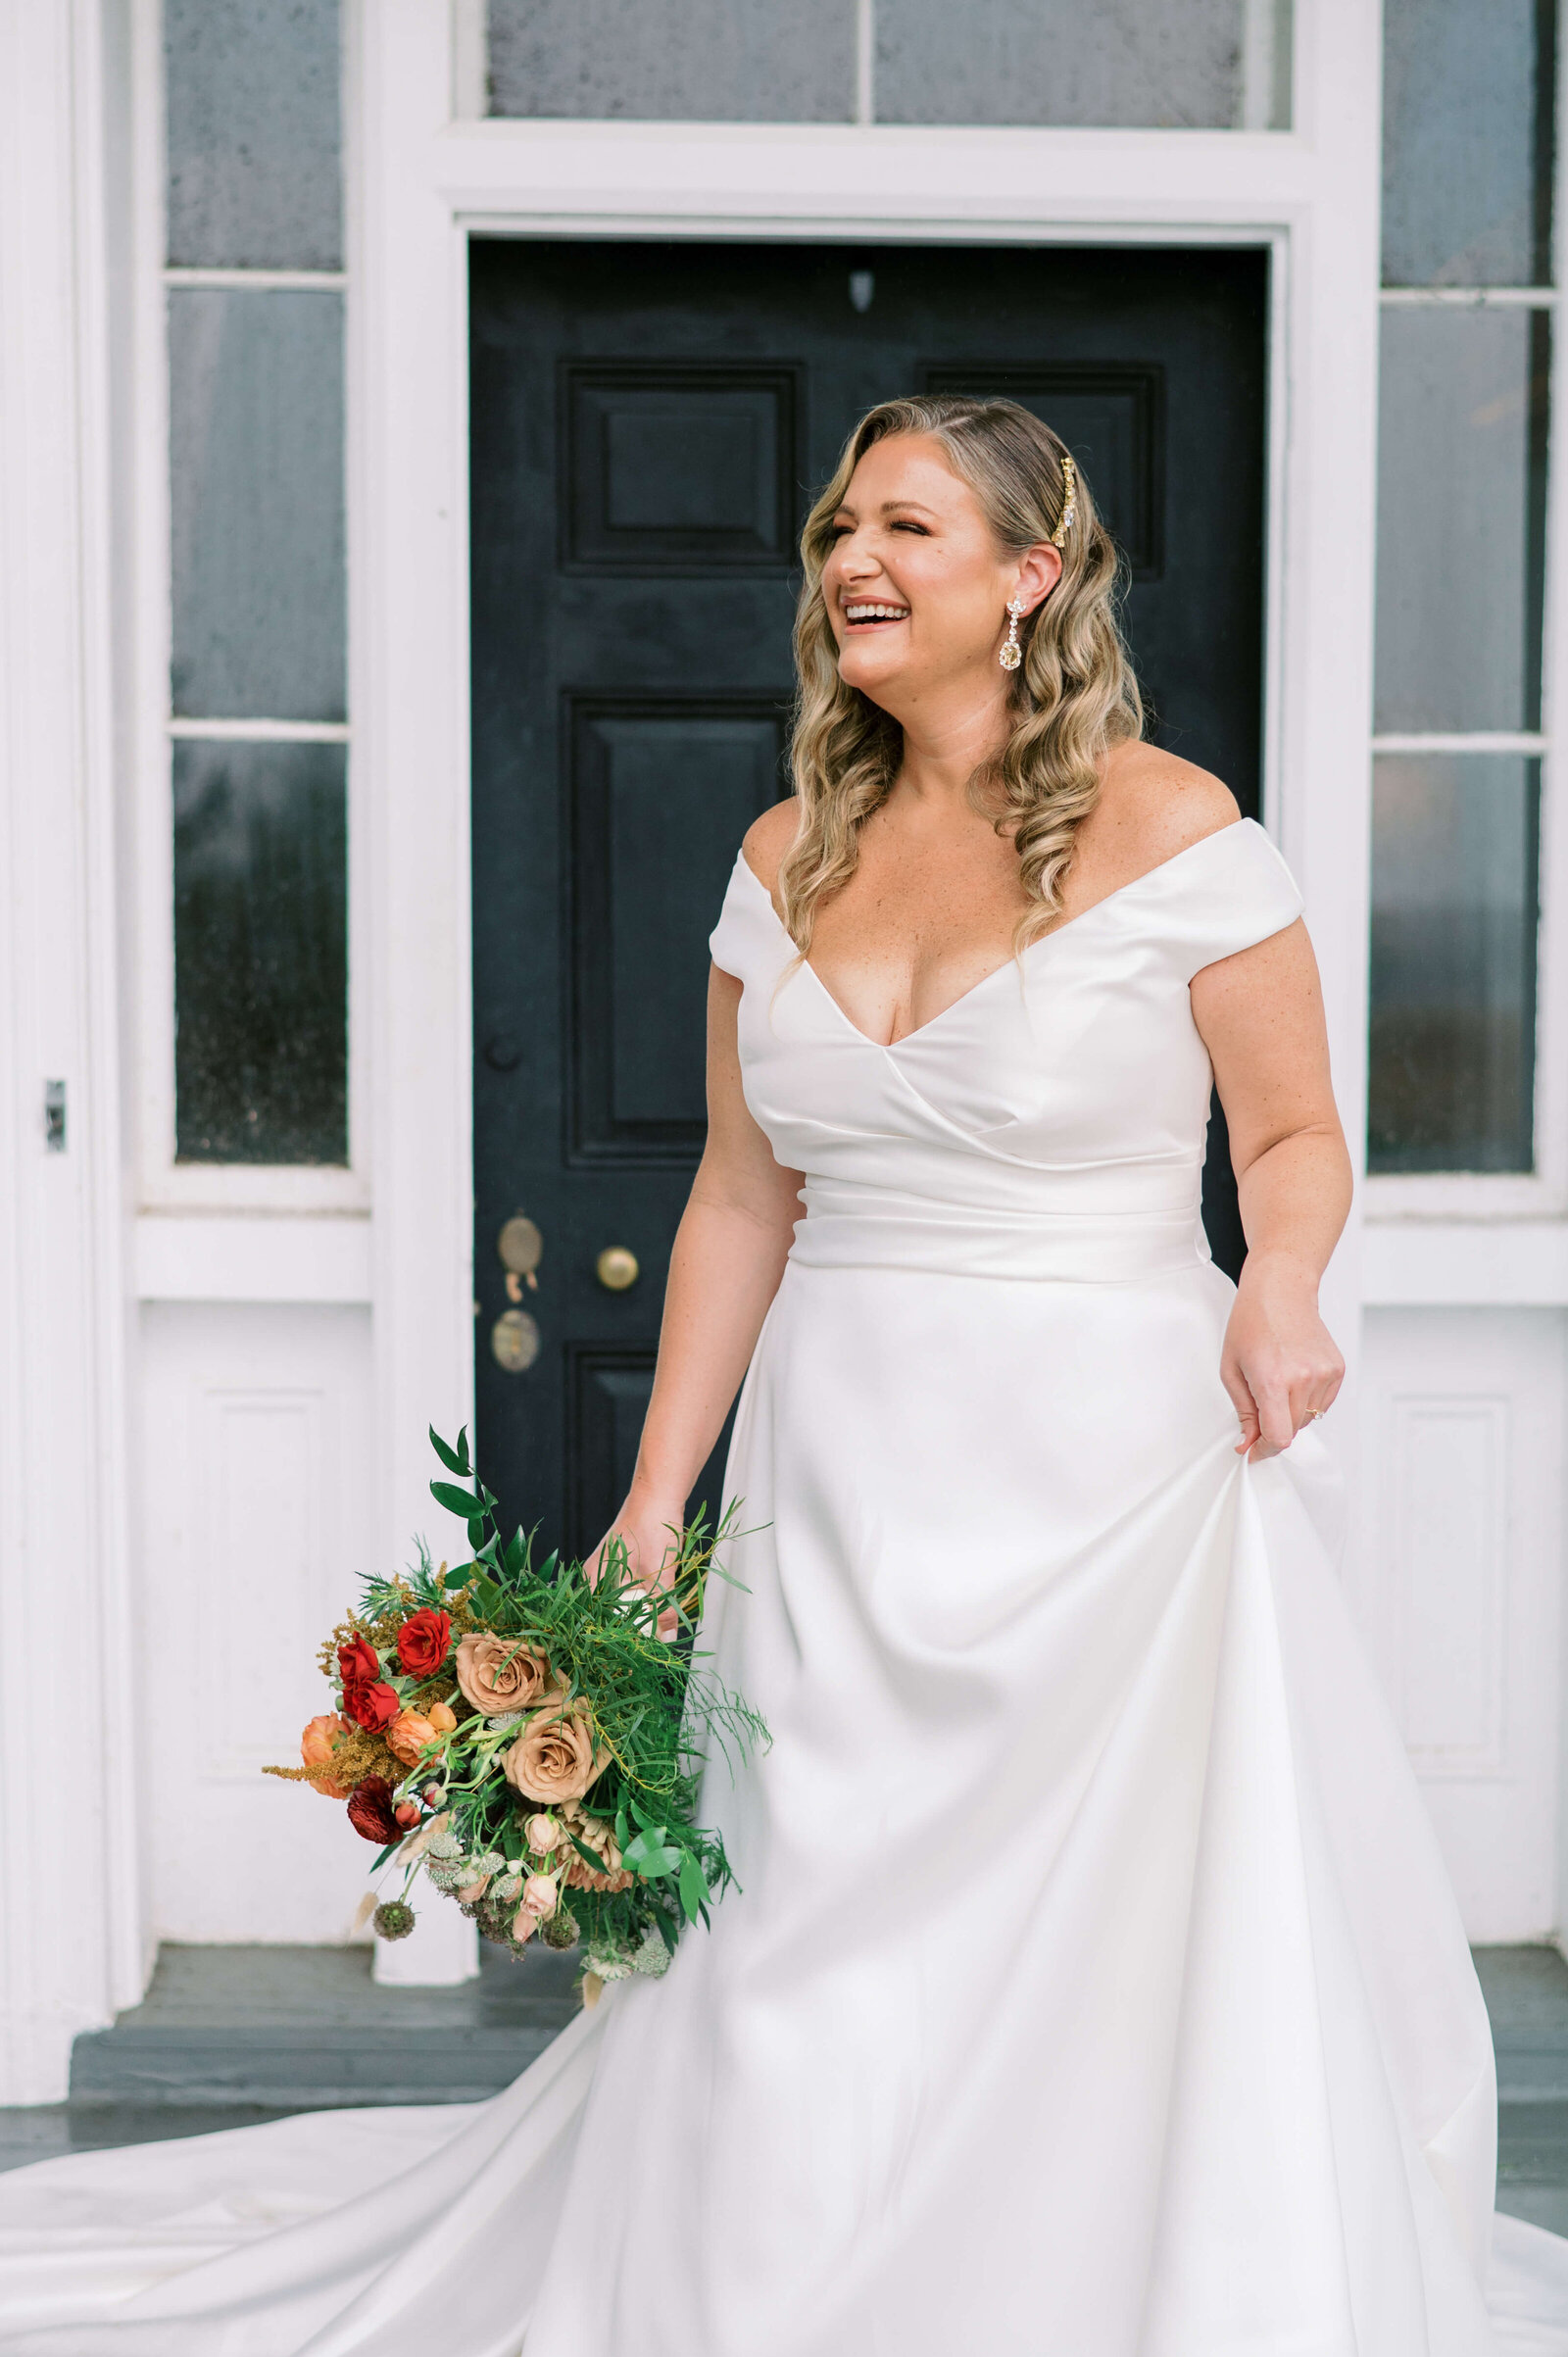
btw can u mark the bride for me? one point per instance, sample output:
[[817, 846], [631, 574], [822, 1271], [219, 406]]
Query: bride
[[1094, 1989]]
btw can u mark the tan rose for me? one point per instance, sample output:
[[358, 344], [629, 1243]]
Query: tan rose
[[407, 1735], [318, 1744], [540, 1895], [555, 1758], [471, 1893], [598, 1835], [498, 1673]]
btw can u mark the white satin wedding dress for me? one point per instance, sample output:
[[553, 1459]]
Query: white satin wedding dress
[[1096, 1988]]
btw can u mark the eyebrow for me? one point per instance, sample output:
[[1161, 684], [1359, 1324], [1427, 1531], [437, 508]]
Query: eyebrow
[[890, 507]]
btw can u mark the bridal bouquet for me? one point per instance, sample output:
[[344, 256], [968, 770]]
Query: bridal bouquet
[[532, 1739]]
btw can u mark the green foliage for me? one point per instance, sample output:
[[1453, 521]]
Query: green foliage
[[653, 1705]]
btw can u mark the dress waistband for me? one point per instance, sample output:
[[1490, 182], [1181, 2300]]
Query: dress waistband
[[850, 1226]]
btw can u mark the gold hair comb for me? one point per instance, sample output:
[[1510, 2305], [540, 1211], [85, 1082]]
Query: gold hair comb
[[1069, 505]]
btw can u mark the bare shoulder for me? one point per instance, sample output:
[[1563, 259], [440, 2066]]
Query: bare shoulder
[[768, 838], [1153, 805]]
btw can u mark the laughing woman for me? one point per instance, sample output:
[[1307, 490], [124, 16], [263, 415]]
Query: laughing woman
[[1094, 1988]]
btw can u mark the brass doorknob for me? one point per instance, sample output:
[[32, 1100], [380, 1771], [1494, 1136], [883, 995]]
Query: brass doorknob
[[617, 1268]]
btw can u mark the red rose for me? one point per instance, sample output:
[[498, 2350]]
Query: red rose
[[372, 1706], [357, 1662], [423, 1642], [370, 1811]]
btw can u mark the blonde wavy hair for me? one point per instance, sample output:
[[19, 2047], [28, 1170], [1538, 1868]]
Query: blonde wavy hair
[[1072, 697]]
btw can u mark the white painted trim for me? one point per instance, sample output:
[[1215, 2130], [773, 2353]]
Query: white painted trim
[[1552, 969], [471, 60], [1310, 194], [260, 1186], [1261, 32], [152, 970], [257, 283], [1494, 740], [263, 732], [866, 62], [407, 373], [246, 1256], [70, 1930], [1456, 1263], [1468, 298]]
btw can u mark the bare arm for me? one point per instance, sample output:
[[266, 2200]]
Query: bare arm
[[1260, 1014], [725, 1270]]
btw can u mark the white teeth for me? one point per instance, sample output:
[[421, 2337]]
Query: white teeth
[[875, 613]]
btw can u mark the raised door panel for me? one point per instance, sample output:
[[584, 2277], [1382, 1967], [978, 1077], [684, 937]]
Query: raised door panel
[[660, 792]]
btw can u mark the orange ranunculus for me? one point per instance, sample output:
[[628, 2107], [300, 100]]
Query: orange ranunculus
[[442, 1717], [407, 1735], [317, 1746]]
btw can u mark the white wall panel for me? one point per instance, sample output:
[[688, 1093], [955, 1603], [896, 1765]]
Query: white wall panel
[[1457, 1572], [256, 1526]]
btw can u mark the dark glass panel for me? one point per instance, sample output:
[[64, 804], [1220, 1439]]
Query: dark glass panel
[[1453, 962], [253, 134], [261, 952]]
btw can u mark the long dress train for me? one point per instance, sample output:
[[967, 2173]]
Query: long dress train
[[1096, 1988]]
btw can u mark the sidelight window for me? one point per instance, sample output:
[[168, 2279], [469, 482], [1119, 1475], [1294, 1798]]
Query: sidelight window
[[1460, 747], [257, 690]]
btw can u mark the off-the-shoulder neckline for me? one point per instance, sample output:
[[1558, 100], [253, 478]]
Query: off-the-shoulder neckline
[[1043, 940]]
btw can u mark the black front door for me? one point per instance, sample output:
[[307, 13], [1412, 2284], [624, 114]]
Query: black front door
[[648, 423]]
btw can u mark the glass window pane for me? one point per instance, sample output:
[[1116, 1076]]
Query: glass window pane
[[254, 173], [1453, 962], [685, 61], [1461, 495], [1219, 64], [256, 466], [1466, 142], [261, 952]]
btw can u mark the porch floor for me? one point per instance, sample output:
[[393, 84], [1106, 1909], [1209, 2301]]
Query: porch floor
[[229, 2035]]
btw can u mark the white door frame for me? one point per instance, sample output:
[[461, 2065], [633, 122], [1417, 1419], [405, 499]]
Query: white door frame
[[426, 180], [71, 1947]]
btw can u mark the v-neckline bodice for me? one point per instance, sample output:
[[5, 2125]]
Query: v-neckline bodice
[[1045, 940]]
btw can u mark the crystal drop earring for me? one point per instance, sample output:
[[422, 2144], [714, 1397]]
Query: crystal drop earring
[[1011, 655]]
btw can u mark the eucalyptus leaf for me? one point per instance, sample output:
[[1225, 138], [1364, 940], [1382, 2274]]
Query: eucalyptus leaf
[[449, 1457]]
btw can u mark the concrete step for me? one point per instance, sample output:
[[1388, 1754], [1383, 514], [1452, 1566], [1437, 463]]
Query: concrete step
[[1526, 1990], [293, 2028]]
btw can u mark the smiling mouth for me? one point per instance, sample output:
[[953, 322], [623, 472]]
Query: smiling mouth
[[871, 614]]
